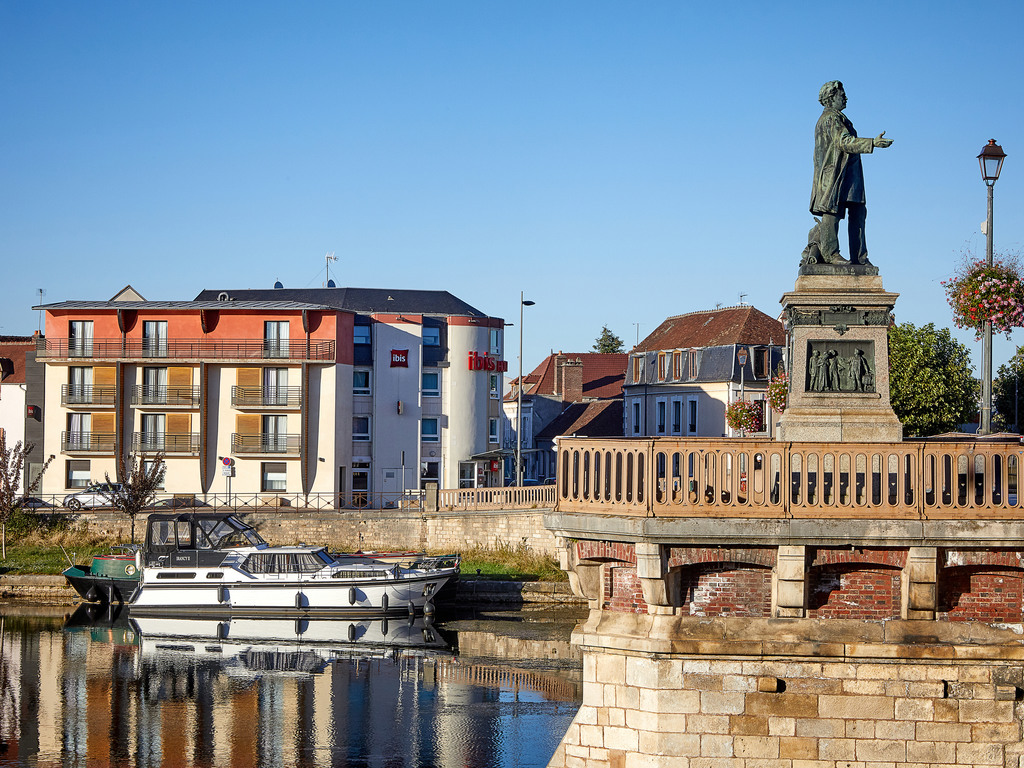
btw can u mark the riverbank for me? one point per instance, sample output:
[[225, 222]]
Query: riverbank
[[54, 590]]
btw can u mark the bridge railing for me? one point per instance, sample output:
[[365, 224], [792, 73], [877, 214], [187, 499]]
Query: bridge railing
[[667, 477], [512, 497]]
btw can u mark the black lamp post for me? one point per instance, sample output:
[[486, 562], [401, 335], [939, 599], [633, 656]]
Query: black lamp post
[[991, 162], [519, 405]]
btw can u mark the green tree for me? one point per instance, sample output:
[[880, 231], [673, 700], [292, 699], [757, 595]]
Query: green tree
[[931, 382], [12, 464], [139, 484], [1008, 393], [608, 342]]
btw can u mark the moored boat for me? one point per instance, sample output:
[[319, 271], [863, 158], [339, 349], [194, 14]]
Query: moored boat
[[203, 564], [111, 578]]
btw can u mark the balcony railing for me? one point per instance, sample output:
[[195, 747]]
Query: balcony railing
[[145, 442], [264, 443], [183, 349], [667, 477], [87, 442], [512, 497], [72, 395], [187, 397], [266, 397]]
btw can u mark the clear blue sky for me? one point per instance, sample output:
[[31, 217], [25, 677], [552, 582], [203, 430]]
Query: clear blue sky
[[618, 162]]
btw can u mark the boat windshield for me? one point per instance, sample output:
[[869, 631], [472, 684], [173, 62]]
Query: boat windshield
[[286, 562], [227, 533]]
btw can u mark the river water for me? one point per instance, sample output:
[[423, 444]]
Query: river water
[[473, 691]]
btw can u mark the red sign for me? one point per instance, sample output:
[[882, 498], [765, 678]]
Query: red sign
[[478, 362], [399, 358]]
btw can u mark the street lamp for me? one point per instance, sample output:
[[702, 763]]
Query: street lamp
[[519, 405], [991, 162]]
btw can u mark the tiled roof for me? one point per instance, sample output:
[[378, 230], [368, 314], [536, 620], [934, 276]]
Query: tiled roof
[[12, 358], [366, 300], [714, 327], [601, 418], [603, 374]]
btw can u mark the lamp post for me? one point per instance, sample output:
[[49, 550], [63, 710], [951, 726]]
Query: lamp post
[[741, 358], [519, 397], [991, 162]]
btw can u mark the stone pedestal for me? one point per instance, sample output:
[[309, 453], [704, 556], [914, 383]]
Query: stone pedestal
[[839, 360]]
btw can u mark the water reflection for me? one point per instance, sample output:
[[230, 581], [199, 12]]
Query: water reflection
[[107, 691]]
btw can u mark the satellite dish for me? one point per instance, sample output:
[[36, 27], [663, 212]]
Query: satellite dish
[[279, 284], [223, 296], [330, 284]]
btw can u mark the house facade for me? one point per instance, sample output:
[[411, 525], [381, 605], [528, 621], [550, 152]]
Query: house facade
[[360, 393], [682, 377], [567, 394]]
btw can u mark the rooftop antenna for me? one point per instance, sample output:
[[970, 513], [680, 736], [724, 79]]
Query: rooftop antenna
[[742, 297], [329, 258], [637, 325], [41, 292]]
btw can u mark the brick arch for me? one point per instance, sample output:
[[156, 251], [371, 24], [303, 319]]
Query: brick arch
[[854, 590], [606, 551], [724, 588], [891, 558], [981, 592], [752, 556]]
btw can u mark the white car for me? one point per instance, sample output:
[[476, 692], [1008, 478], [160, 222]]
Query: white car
[[95, 495]]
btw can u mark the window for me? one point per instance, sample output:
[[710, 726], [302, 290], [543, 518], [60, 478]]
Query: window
[[492, 431], [691, 358], [154, 338], [80, 338], [430, 472], [636, 417], [638, 369], [275, 434], [275, 386], [662, 366], [360, 483], [495, 387], [431, 383], [691, 417], [495, 341], [677, 416], [431, 337], [147, 467], [661, 407], [360, 427], [361, 334], [428, 430], [154, 386], [275, 338], [77, 473], [360, 382], [467, 474], [273, 476], [79, 385], [153, 428], [79, 431], [677, 365]]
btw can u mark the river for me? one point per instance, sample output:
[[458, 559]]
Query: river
[[477, 690]]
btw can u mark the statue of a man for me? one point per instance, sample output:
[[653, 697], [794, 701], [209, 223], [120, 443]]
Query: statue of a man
[[838, 190]]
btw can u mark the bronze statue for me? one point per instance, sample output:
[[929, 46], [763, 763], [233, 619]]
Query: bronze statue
[[838, 188]]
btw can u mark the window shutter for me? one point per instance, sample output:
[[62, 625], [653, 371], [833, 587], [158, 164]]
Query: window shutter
[[249, 377]]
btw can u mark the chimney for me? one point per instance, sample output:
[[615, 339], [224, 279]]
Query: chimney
[[572, 381], [559, 361]]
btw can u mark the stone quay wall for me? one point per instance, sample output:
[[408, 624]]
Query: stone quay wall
[[391, 529], [686, 692]]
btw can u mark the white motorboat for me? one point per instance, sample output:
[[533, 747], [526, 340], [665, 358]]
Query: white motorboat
[[214, 564]]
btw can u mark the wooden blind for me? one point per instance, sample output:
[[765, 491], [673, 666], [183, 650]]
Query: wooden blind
[[249, 377], [179, 377], [103, 423], [104, 376], [247, 423], [179, 423]]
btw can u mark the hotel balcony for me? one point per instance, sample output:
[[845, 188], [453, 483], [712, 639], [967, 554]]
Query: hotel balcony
[[72, 396], [87, 442], [144, 442], [275, 445], [165, 397], [183, 349], [266, 397]]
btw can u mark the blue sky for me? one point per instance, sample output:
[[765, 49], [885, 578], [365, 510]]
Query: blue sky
[[617, 162]]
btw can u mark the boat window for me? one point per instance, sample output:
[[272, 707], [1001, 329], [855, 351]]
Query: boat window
[[227, 532], [161, 533], [184, 534], [290, 562]]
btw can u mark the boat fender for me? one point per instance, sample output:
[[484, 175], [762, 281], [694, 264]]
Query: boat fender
[[428, 608], [129, 569], [110, 593], [222, 594], [351, 632], [351, 595], [299, 599], [384, 603], [412, 610], [384, 627], [90, 594], [222, 630]]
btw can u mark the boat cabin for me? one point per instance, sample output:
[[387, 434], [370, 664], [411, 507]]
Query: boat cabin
[[195, 539]]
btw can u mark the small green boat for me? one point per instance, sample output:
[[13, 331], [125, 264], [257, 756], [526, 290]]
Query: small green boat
[[109, 578]]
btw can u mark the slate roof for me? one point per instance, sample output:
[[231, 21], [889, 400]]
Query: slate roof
[[601, 418], [268, 305], [361, 300], [603, 374], [714, 327]]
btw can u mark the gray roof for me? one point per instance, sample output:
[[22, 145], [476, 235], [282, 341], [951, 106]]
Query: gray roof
[[203, 304], [363, 300]]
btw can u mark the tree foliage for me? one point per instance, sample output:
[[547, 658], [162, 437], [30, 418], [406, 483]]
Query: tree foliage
[[608, 342], [12, 466], [931, 382], [139, 484], [1008, 393]]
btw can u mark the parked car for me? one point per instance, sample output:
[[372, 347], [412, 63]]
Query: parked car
[[177, 502], [95, 495], [32, 502]]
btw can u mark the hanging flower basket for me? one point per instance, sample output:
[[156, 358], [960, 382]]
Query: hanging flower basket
[[745, 416], [979, 292], [778, 391]]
